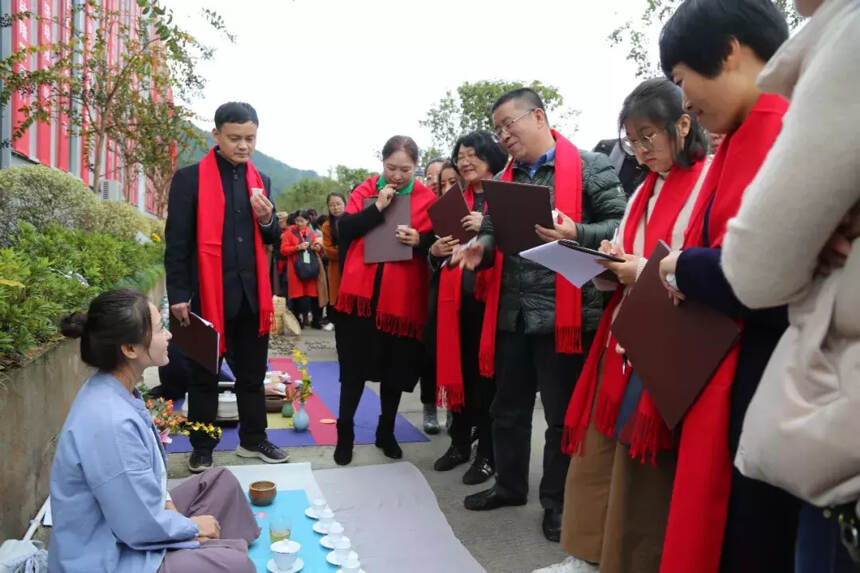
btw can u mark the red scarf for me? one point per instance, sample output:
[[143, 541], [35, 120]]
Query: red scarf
[[613, 382], [402, 306], [700, 496], [210, 228], [568, 298], [449, 369]]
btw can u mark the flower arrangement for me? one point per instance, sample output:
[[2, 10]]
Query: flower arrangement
[[301, 391], [168, 422]]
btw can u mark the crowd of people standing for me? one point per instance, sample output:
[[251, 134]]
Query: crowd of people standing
[[743, 159]]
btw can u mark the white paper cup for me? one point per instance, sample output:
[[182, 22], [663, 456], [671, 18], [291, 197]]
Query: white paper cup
[[342, 549], [285, 553]]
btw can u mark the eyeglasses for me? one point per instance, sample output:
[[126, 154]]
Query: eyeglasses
[[510, 123], [468, 156], [645, 144]]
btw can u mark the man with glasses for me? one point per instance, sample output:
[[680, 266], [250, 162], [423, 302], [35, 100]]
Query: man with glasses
[[528, 344]]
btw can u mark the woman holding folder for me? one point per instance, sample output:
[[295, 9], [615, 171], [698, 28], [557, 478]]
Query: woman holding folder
[[383, 305], [615, 505], [718, 519], [459, 316]]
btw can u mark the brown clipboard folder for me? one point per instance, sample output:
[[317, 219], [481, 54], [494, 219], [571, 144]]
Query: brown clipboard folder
[[199, 340], [447, 214], [515, 209], [674, 349], [380, 243]]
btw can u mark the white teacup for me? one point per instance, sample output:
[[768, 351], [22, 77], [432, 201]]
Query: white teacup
[[335, 531], [351, 564], [326, 517], [318, 505], [285, 553], [342, 549]]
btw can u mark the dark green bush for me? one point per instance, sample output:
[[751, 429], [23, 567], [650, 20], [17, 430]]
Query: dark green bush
[[37, 282]]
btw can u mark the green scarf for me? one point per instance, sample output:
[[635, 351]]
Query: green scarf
[[405, 191]]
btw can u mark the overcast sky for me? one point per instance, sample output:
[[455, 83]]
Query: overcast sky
[[333, 79]]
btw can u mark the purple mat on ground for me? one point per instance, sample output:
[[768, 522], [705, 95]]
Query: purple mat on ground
[[325, 376], [368, 411]]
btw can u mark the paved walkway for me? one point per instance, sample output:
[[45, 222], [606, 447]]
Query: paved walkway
[[507, 540]]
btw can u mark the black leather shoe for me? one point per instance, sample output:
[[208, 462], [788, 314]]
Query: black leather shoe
[[345, 438], [451, 459], [552, 524], [489, 499], [480, 471], [199, 461]]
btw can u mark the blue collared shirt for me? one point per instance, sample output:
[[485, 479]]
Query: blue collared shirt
[[532, 169], [106, 488]]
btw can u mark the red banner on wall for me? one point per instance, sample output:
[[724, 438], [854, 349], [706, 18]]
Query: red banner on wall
[[46, 38], [63, 132], [20, 41]]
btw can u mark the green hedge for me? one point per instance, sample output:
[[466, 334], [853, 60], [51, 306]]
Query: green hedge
[[52, 228], [43, 197]]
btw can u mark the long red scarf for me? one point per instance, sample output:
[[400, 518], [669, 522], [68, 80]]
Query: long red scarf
[[613, 382], [210, 228], [449, 370], [402, 306], [568, 298], [700, 496]]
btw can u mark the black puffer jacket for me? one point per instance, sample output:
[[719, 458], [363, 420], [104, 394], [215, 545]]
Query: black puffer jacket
[[529, 288]]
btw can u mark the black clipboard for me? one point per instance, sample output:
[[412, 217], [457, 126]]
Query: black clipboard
[[596, 254]]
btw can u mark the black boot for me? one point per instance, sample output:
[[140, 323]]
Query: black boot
[[345, 438], [385, 439]]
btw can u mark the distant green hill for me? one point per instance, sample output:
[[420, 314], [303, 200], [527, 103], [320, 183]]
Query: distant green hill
[[282, 174]]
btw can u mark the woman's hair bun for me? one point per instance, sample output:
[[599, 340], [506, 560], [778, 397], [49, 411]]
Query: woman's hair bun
[[73, 325]]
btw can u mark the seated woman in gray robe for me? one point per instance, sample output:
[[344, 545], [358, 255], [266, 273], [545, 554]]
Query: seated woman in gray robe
[[111, 508]]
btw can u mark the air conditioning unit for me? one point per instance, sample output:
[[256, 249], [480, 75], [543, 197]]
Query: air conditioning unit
[[110, 190]]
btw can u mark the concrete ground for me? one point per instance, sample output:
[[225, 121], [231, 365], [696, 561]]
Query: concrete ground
[[506, 540]]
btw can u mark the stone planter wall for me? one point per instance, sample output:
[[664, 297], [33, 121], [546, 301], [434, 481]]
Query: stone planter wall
[[34, 402]]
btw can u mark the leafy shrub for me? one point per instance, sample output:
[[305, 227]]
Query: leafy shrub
[[43, 196], [37, 282], [123, 220]]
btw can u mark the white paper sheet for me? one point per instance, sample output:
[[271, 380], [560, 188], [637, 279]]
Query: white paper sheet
[[577, 267]]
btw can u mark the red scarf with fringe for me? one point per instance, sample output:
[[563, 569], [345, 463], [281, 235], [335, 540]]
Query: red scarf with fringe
[[210, 230], [449, 366], [700, 495], [568, 298], [650, 432], [402, 306]]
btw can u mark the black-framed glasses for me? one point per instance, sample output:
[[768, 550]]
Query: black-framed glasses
[[510, 123]]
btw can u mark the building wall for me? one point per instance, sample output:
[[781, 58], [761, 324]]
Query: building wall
[[52, 143]]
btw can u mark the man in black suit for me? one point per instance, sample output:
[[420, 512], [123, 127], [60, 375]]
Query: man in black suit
[[245, 208]]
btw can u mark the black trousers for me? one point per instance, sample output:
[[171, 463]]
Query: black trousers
[[250, 353], [526, 363], [479, 391], [307, 304], [368, 354]]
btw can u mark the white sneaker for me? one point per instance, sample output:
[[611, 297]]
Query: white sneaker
[[328, 327], [570, 565]]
